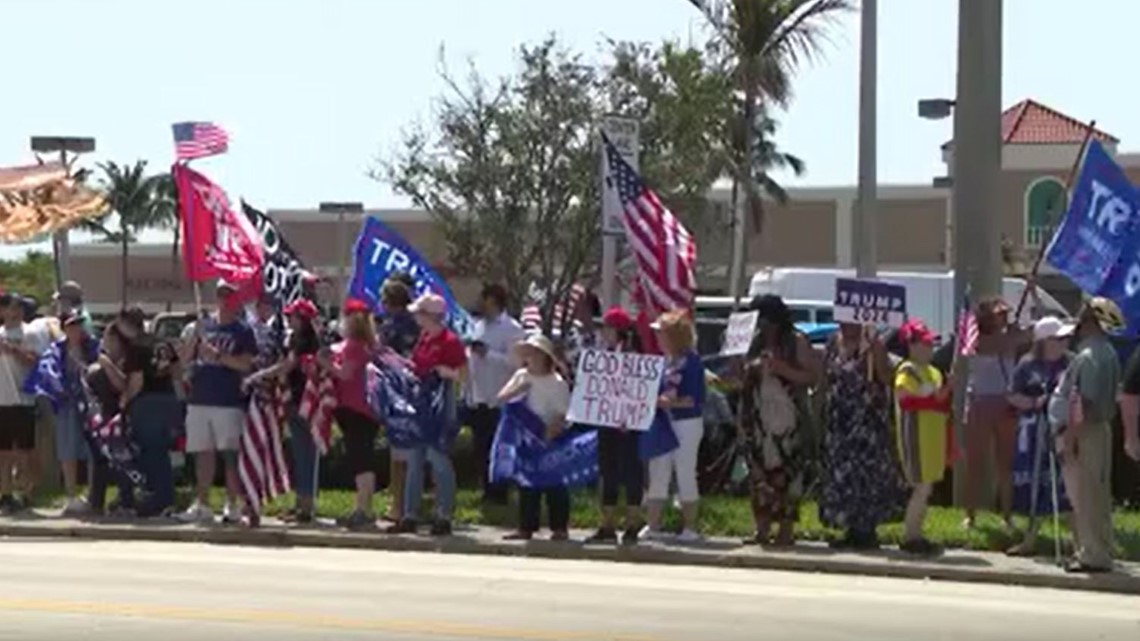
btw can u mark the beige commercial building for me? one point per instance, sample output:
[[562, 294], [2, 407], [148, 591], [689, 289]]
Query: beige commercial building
[[813, 229]]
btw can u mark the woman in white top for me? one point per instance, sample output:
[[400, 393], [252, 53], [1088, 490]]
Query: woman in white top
[[548, 396]]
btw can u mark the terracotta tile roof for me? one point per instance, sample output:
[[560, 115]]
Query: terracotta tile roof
[[1032, 123]]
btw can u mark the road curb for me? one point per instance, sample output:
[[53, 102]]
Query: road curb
[[799, 560]]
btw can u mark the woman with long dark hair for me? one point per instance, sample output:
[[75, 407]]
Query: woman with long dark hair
[[301, 348], [774, 416], [619, 462]]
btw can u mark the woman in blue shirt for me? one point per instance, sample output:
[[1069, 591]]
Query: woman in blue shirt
[[684, 398]]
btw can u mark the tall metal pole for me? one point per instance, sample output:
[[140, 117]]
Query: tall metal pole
[[865, 230], [976, 168]]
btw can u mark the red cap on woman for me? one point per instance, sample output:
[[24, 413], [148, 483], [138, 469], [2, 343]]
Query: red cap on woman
[[916, 331], [617, 318], [356, 306], [302, 307]]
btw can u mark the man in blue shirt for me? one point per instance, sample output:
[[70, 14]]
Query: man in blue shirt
[[222, 349]]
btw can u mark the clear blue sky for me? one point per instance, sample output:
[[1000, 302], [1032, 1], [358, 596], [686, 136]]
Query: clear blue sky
[[312, 90]]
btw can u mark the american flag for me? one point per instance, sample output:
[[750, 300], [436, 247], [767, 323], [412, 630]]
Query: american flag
[[199, 139], [663, 250], [318, 400], [967, 329], [261, 454], [531, 317]]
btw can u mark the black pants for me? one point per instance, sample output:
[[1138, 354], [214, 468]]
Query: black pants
[[484, 421], [103, 475], [359, 433], [557, 504], [620, 466]]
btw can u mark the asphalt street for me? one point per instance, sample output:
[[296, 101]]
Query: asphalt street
[[116, 590]]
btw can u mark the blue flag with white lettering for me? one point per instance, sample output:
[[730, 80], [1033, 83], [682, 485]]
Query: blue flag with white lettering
[[522, 454], [381, 252], [50, 379], [1096, 234], [414, 412]]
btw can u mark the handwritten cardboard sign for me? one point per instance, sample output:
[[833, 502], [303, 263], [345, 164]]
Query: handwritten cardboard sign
[[615, 389], [738, 334]]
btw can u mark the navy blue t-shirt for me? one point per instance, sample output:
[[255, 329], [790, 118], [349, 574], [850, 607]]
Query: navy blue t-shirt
[[686, 375], [215, 384]]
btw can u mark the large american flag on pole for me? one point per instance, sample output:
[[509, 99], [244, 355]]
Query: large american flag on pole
[[531, 317], [199, 139], [663, 250], [261, 454]]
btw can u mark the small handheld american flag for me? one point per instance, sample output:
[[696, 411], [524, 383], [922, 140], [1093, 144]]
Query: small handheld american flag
[[967, 329], [199, 139]]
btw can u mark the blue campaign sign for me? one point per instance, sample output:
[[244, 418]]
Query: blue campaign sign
[[869, 302], [1096, 234], [380, 252]]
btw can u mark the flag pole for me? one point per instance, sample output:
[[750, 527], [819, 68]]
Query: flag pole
[[1090, 128]]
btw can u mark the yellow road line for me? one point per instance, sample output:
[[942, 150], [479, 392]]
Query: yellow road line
[[306, 620]]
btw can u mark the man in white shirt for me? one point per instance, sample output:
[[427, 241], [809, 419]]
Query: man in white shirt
[[20, 348], [491, 364]]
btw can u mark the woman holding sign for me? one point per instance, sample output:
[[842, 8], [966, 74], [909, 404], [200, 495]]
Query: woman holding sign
[[773, 418], [618, 460], [684, 399], [861, 487], [548, 396]]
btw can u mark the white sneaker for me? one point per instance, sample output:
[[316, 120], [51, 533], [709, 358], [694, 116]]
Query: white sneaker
[[75, 506], [648, 534], [231, 514], [689, 536], [197, 513]]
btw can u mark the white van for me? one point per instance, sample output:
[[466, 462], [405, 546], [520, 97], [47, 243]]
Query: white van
[[803, 311], [929, 295]]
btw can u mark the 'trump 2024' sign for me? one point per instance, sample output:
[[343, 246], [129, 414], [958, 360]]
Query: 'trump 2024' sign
[[614, 389], [869, 302]]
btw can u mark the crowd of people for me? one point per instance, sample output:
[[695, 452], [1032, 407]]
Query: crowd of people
[[866, 422]]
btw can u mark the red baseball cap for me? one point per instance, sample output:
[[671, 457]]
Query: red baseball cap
[[617, 318], [356, 306], [302, 307], [916, 331]]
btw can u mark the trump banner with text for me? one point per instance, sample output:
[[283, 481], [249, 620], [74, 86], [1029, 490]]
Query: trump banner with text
[[1097, 230], [217, 243], [381, 252], [869, 302], [283, 275], [616, 389]]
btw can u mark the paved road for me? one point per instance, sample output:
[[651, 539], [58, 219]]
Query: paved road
[[108, 591]]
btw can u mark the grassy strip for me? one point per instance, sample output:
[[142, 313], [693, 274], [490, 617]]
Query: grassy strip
[[731, 516]]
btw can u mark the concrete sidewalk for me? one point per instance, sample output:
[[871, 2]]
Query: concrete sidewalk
[[955, 565]]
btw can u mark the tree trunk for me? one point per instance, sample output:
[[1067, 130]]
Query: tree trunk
[[173, 264], [126, 240], [745, 175]]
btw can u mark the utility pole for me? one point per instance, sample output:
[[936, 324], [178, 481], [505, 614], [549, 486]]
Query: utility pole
[[341, 209], [865, 229], [976, 170]]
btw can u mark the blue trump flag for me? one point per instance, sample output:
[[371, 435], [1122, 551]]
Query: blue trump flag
[[50, 379], [658, 440], [414, 412], [380, 252], [522, 454], [1097, 232]]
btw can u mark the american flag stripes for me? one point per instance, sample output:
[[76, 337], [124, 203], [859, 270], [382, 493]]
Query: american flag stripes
[[198, 140], [262, 470], [663, 250], [967, 329], [318, 400], [531, 317]]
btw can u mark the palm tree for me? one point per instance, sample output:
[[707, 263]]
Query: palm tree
[[768, 40], [138, 202]]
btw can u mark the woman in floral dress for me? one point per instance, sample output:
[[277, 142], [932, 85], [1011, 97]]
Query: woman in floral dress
[[861, 483], [775, 419]]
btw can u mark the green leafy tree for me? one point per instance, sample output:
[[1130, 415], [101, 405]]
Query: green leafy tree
[[137, 202], [32, 275], [509, 169]]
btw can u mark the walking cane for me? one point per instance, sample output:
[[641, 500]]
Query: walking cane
[[1056, 516]]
